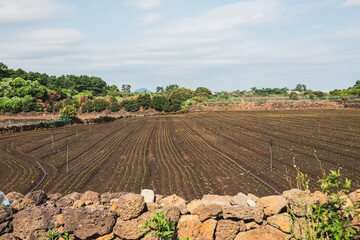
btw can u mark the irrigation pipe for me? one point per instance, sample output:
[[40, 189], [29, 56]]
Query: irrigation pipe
[[222, 154], [42, 180]]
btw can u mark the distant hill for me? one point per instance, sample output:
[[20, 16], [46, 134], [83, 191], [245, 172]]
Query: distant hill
[[141, 90]]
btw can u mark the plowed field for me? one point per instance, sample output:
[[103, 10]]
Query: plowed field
[[190, 155]]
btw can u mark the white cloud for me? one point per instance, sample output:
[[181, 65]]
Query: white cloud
[[351, 3], [18, 11], [148, 19], [144, 4], [41, 43], [350, 33]]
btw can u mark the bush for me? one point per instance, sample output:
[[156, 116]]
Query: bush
[[87, 107], [159, 103], [130, 105], [100, 104], [49, 109], [114, 107], [69, 111], [293, 96], [58, 107], [344, 98], [144, 100], [330, 219]]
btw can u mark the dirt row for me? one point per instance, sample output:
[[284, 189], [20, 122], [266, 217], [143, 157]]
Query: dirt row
[[190, 155]]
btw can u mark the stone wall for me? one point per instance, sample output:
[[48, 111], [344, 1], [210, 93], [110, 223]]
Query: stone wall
[[107, 216]]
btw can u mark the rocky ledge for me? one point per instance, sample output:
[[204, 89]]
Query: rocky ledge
[[106, 216]]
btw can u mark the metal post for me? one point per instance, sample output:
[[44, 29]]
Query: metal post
[[52, 138], [220, 133], [318, 125], [89, 126], [67, 155], [271, 164]]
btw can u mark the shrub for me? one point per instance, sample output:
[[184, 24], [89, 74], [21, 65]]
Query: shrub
[[100, 104], [69, 111], [130, 105], [344, 98], [329, 220], [87, 107], [163, 229], [144, 100], [49, 109], [159, 103], [58, 107], [293, 96], [114, 107]]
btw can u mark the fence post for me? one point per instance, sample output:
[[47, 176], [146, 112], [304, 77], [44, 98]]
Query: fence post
[[52, 138], [271, 164], [318, 125], [67, 155], [220, 133]]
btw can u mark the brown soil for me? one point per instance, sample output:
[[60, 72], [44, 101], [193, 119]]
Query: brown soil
[[185, 154]]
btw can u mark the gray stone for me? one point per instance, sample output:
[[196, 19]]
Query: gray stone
[[244, 212], [85, 223]]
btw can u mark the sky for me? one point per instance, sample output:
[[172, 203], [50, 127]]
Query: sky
[[224, 45]]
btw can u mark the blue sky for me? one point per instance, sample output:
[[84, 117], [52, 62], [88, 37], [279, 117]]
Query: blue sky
[[220, 44]]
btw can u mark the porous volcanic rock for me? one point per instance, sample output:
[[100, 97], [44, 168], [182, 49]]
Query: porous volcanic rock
[[208, 211], [172, 214], [189, 226], [355, 197], [130, 229], [12, 196], [244, 213], [299, 201], [94, 197], [128, 206], [282, 222], [239, 199], [227, 229], [223, 201], [29, 222], [64, 202], [266, 232], [86, 223], [176, 201], [37, 197], [207, 230], [272, 204]]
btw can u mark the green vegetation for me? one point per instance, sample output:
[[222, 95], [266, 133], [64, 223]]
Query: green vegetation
[[54, 236], [163, 229], [23, 91], [330, 219]]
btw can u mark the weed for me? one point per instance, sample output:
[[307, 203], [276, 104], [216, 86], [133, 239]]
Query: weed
[[163, 229], [53, 236], [328, 220]]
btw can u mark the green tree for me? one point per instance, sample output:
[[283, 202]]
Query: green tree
[[160, 90], [177, 96], [171, 87], [204, 90], [126, 88], [300, 87]]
